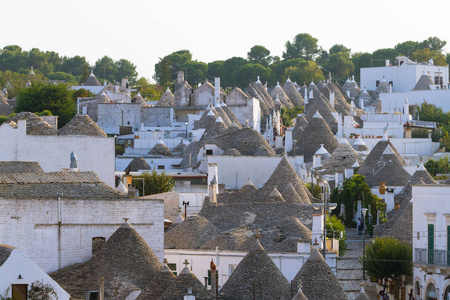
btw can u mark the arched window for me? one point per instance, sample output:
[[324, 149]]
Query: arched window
[[431, 293], [417, 290]]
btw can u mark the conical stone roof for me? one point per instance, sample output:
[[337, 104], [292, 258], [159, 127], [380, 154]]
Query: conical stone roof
[[292, 227], [138, 99], [231, 152], [179, 148], [275, 196], [103, 98], [257, 272], [352, 87], [215, 130], [343, 157], [180, 285], [322, 105], [252, 91], [92, 81], [35, 124], [291, 91], [384, 163], [125, 255], [282, 176], [158, 285], [192, 233], [166, 100], [290, 195], [299, 128], [138, 163], [423, 83], [207, 119], [362, 295], [161, 149], [263, 92], [223, 114], [231, 115], [317, 132], [232, 128], [278, 93], [318, 280], [82, 125], [231, 240], [340, 103]]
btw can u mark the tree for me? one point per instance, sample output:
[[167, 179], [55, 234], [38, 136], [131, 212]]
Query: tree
[[197, 71], [155, 183], [55, 98], [426, 54], [68, 78], [168, 66], [227, 69], [379, 56], [334, 228], [434, 43], [339, 48], [360, 60], [407, 48], [126, 69], [73, 65], [148, 90], [287, 115], [355, 189], [303, 46], [304, 72], [247, 73], [260, 55], [106, 68], [387, 258], [340, 66], [429, 112], [41, 291]]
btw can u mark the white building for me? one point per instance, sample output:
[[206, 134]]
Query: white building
[[431, 241], [61, 218], [95, 153], [403, 76], [18, 272]]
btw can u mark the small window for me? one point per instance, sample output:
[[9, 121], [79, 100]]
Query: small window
[[161, 167], [209, 152], [97, 243], [173, 268], [377, 83], [128, 122], [391, 83], [231, 269]]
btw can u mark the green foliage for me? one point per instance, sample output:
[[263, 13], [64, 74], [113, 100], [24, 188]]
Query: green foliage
[[340, 66], [303, 46], [40, 291], [120, 149], [68, 78], [355, 189], [316, 190], [167, 67], [197, 71], [387, 258], [439, 166], [148, 90], [3, 119], [259, 55], [155, 183], [423, 55], [302, 71], [214, 69], [55, 98], [81, 93], [247, 73], [5, 295], [407, 48], [14, 82], [44, 113], [288, 115], [334, 228]]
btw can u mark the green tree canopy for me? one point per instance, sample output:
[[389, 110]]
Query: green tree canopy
[[214, 69], [304, 72], [106, 68], [154, 182], [423, 55], [227, 69], [434, 43], [247, 73], [195, 71], [339, 48], [407, 48], [303, 46], [126, 69], [148, 90], [52, 97], [355, 189], [168, 66], [387, 258], [340, 66], [260, 55]]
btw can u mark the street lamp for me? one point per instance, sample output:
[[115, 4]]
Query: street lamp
[[186, 130], [364, 211], [325, 206]]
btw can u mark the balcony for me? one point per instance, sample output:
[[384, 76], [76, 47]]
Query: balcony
[[436, 258]]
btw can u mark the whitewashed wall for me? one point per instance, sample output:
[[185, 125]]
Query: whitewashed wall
[[53, 151], [32, 225], [18, 263]]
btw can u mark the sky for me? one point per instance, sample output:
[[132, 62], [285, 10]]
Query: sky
[[142, 31]]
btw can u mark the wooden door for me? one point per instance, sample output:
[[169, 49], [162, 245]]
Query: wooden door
[[19, 291]]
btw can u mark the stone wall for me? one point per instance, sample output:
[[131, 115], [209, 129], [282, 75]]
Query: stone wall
[[32, 225], [113, 115], [155, 116]]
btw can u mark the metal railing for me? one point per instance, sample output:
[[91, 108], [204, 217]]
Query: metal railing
[[432, 257]]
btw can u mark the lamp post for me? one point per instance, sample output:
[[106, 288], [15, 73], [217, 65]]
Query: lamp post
[[186, 130], [325, 206], [364, 211]]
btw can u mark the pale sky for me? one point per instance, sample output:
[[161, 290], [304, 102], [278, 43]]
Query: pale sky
[[143, 31]]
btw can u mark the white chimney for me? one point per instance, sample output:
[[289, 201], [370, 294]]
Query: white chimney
[[348, 173], [338, 178], [216, 90], [212, 173], [406, 107], [332, 99], [311, 94], [317, 228], [389, 199], [387, 63], [340, 127], [316, 161]]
